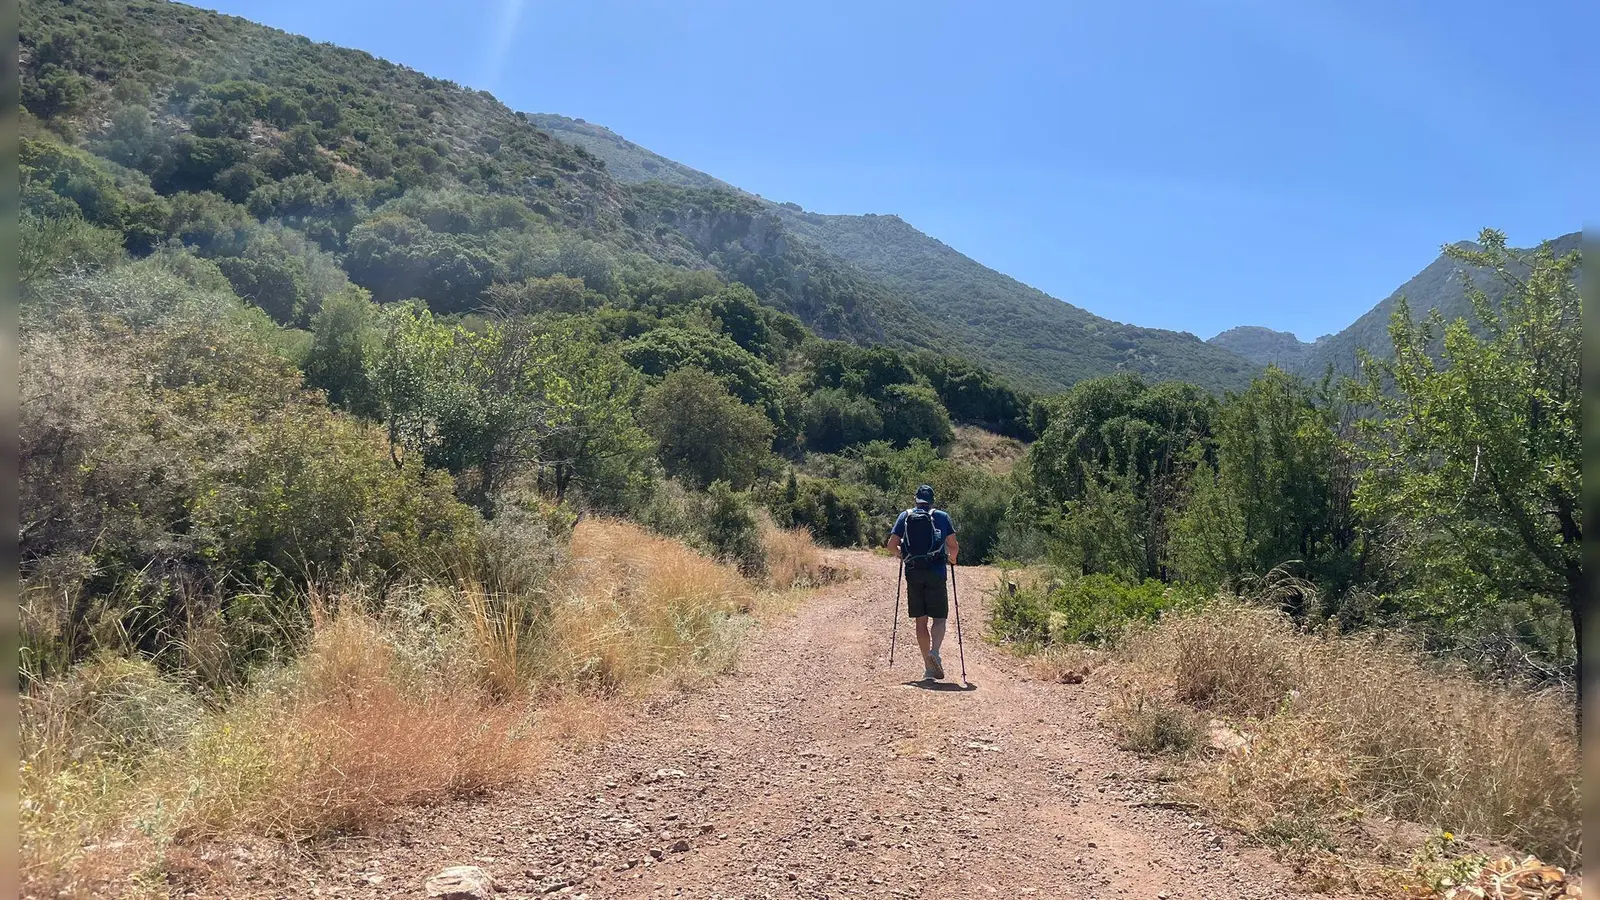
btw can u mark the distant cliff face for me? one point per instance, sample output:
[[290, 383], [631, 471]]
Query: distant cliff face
[[1263, 346]]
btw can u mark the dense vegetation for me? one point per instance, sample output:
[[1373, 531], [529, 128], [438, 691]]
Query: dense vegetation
[[298, 324], [1438, 492]]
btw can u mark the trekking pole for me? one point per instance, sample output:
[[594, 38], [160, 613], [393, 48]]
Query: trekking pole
[[954, 595], [894, 629]]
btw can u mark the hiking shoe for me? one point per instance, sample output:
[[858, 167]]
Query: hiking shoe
[[935, 667]]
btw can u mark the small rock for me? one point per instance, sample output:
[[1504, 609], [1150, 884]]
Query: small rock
[[657, 853], [680, 846], [460, 883]]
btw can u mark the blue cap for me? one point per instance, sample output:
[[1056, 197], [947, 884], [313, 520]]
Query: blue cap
[[925, 493]]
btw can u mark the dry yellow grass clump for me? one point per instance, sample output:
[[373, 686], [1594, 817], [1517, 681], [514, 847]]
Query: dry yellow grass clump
[[634, 605], [120, 762], [1336, 733], [437, 693], [793, 558]]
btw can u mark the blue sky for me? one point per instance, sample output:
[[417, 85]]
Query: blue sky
[[1186, 164]]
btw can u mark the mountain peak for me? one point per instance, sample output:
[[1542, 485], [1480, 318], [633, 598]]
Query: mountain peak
[[1263, 346]]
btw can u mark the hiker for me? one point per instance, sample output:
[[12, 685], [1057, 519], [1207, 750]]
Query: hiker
[[925, 539]]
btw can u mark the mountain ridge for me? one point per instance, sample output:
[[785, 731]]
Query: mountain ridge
[[1437, 286], [1031, 337], [886, 246]]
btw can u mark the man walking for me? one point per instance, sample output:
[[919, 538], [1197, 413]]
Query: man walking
[[925, 538]]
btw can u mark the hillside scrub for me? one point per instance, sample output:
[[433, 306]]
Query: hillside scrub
[[429, 693]]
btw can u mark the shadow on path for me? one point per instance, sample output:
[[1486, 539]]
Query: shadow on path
[[927, 685]]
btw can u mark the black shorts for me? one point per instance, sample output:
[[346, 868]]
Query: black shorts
[[925, 594]]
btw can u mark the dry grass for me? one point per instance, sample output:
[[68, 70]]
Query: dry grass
[[794, 560], [121, 763], [1347, 730], [636, 606], [445, 693], [1064, 663], [1145, 723], [975, 446]]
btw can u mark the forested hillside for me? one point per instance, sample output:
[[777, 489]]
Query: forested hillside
[[949, 300], [446, 304]]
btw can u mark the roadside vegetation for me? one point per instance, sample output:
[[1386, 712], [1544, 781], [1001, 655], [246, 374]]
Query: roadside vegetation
[[1349, 609]]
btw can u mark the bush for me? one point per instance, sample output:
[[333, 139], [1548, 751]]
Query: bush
[[704, 433], [1089, 609], [730, 529], [1144, 724], [913, 412], [979, 512], [170, 471], [50, 247], [835, 420], [830, 509]]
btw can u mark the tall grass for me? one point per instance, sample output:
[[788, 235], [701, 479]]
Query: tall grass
[[793, 558], [1345, 728], [638, 606], [432, 693]]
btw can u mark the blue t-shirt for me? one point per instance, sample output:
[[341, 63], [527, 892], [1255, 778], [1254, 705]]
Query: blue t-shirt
[[942, 527]]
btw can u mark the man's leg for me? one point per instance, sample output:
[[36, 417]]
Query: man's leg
[[922, 634], [938, 609]]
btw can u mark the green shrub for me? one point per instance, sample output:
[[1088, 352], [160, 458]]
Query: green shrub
[[1088, 609], [979, 512], [704, 433], [177, 475], [730, 529], [50, 246], [1095, 609], [1020, 617], [833, 511]]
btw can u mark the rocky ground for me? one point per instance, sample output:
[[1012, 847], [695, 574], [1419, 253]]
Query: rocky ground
[[815, 770]]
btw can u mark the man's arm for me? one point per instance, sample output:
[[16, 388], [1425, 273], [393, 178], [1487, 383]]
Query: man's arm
[[894, 544], [951, 548]]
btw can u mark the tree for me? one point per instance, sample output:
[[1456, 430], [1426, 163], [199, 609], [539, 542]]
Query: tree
[[556, 294], [1476, 461], [835, 420], [1117, 440], [912, 412], [594, 444], [747, 376], [704, 434], [342, 331], [477, 404]]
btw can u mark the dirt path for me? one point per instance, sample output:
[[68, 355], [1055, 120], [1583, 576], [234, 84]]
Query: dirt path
[[814, 771]]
